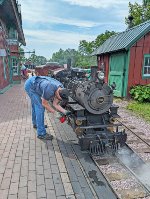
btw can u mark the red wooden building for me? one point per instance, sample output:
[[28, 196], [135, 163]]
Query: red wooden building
[[11, 34], [48, 69], [125, 58]]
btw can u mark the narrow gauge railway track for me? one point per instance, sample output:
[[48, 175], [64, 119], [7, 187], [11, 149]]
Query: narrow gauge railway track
[[91, 178], [97, 182], [120, 178], [137, 142], [123, 178], [129, 168], [123, 171]]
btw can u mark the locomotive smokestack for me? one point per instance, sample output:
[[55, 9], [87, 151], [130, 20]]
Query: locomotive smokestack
[[68, 63], [93, 73]]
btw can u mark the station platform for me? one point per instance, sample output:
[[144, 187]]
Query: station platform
[[34, 169]]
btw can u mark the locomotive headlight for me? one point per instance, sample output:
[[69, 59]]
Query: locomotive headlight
[[100, 75], [78, 122]]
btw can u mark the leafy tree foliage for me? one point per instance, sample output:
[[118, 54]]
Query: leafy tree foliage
[[140, 13], [82, 58], [103, 37], [86, 48], [63, 55], [77, 58], [37, 60]]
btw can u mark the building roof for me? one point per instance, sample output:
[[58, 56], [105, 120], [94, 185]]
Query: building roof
[[10, 13], [123, 40], [18, 21]]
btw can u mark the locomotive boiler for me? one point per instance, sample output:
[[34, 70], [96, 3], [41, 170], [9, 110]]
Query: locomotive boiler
[[93, 112]]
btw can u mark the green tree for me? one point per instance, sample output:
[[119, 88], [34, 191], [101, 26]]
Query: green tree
[[146, 2], [58, 56], [102, 38], [63, 55], [37, 60], [82, 57], [78, 59], [140, 13], [86, 48]]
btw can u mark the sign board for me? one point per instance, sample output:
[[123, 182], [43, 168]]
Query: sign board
[[3, 53]]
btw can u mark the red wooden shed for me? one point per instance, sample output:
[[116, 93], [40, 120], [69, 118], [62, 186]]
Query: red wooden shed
[[125, 58]]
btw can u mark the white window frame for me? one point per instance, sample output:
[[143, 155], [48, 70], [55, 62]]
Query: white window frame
[[145, 75], [14, 62]]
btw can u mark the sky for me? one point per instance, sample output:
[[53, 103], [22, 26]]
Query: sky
[[49, 25]]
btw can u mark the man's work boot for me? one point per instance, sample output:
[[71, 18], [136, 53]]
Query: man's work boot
[[45, 137]]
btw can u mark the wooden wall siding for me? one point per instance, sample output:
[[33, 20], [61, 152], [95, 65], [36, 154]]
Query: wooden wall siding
[[147, 40], [3, 45], [136, 61], [131, 67], [138, 64], [104, 59]]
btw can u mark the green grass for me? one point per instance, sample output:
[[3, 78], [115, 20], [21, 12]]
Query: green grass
[[117, 99], [140, 109]]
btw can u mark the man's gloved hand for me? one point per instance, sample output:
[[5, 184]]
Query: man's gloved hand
[[67, 113]]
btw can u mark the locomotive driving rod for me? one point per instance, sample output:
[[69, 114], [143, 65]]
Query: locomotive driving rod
[[100, 126]]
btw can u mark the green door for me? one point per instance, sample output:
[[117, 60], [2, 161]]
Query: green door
[[117, 73]]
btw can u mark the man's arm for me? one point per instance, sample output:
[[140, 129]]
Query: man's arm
[[57, 106], [47, 106]]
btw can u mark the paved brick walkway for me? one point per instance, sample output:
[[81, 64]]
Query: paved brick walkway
[[34, 169], [28, 167]]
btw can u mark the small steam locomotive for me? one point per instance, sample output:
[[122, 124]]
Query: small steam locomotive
[[93, 111]]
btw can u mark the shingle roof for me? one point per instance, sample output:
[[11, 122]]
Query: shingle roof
[[123, 40]]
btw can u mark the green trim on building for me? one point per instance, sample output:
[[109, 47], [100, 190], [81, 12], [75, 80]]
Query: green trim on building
[[5, 89], [126, 74], [14, 65], [4, 67], [143, 76]]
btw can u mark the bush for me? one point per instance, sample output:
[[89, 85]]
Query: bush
[[141, 93]]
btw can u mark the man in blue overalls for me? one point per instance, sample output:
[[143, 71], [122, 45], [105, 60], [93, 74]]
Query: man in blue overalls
[[41, 89]]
